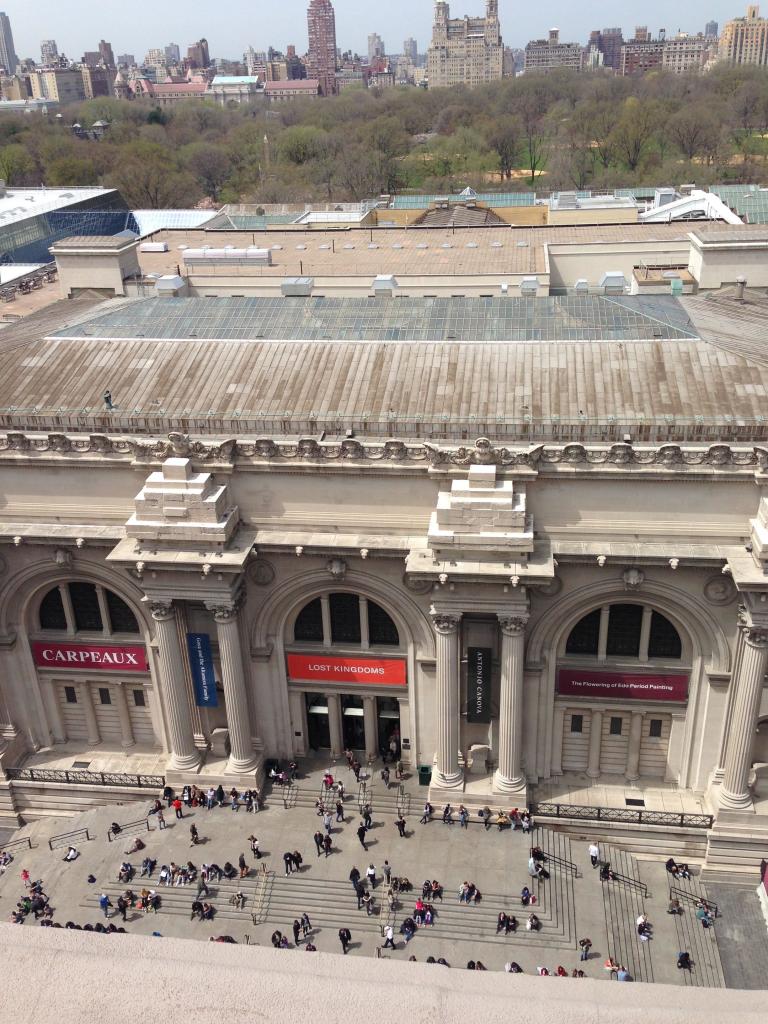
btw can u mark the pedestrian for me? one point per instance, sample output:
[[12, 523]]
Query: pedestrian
[[623, 974], [122, 906], [327, 843], [26, 879], [288, 861], [485, 814], [371, 876], [105, 903], [193, 835], [296, 931], [426, 814], [367, 812], [361, 835], [177, 806], [306, 925], [594, 853], [400, 824], [368, 903], [463, 816], [319, 842], [255, 847], [354, 877], [389, 937], [242, 865], [210, 798], [345, 937], [202, 887], [585, 945], [360, 893], [387, 871], [356, 769], [349, 756], [385, 776], [447, 815], [339, 811], [327, 822], [297, 860]]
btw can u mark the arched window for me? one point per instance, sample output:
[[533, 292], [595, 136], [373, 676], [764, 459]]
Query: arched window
[[80, 607], [349, 621], [628, 631]]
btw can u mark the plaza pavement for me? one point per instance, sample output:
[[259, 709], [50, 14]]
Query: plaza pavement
[[572, 904]]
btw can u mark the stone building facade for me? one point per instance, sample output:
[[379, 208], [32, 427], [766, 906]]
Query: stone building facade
[[465, 50]]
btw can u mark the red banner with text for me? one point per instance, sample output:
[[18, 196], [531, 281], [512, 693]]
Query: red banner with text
[[621, 685], [90, 656], [373, 671]]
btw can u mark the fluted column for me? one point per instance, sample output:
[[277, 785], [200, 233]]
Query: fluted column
[[735, 794], [126, 727], [633, 747], [91, 722], [184, 754], [557, 740], [448, 774], [334, 724], [595, 742], [509, 776], [369, 723], [242, 757]]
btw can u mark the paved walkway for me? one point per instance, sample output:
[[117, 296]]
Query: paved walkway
[[572, 904]]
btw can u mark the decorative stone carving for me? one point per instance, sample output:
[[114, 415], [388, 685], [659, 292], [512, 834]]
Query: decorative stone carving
[[445, 622], [512, 625], [62, 557], [18, 442], [351, 449], [755, 636], [669, 455], [415, 585], [308, 448], [161, 611], [719, 455], [551, 589], [633, 578], [225, 612], [261, 572], [59, 443], [337, 567], [720, 590]]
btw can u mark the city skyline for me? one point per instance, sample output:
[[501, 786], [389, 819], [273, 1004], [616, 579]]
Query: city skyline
[[280, 25]]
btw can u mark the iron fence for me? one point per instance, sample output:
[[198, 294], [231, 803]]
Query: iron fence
[[629, 815], [84, 778]]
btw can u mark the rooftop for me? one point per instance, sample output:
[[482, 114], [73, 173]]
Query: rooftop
[[18, 204]]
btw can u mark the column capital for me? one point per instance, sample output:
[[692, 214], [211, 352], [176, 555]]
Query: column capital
[[161, 611], [445, 622], [512, 625], [225, 610], [754, 635]]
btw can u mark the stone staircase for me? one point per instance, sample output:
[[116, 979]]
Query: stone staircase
[[623, 902], [700, 942]]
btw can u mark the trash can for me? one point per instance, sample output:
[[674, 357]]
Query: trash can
[[425, 774]]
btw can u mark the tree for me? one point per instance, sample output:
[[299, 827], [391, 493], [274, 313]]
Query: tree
[[634, 131], [148, 175], [534, 135], [209, 164], [15, 164], [504, 140], [301, 143], [71, 170], [694, 130]]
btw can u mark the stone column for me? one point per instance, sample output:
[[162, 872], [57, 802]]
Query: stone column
[[633, 748], [509, 776], [126, 728], [735, 794], [50, 692], [595, 741], [184, 754], [334, 724], [557, 740], [448, 775], [242, 758], [369, 722], [91, 722]]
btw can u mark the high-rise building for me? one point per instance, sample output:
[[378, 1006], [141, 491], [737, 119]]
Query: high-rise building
[[321, 26], [49, 52], [745, 40], [64, 85], [107, 54], [465, 50], [608, 42], [375, 47], [642, 53], [710, 29], [126, 60], [411, 50], [173, 53], [8, 58], [198, 55], [91, 58], [687, 53], [550, 54]]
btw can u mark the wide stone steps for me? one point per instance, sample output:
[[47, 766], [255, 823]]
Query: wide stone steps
[[623, 903], [700, 942]]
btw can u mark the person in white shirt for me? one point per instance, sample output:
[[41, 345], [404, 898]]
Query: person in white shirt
[[594, 853], [389, 936], [72, 854]]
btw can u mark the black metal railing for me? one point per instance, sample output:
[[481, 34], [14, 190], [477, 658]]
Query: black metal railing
[[26, 841], [675, 892], [83, 778], [630, 815], [140, 825], [64, 838]]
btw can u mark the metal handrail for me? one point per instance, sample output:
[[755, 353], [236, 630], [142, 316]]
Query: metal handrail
[[66, 836], [76, 777], [26, 841], [129, 824], [631, 815], [677, 893]]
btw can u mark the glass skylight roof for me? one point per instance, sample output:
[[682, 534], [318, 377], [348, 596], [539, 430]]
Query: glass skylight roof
[[555, 318]]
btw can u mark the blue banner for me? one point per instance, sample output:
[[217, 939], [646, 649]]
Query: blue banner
[[201, 663]]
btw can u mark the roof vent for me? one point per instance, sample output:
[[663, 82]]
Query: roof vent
[[529, 287], [582, 286], [613, 282]]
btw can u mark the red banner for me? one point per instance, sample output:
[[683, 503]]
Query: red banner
[[92, 656], [621, 685], [372, 671]]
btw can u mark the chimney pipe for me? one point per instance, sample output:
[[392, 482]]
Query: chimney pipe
[[741, 283]]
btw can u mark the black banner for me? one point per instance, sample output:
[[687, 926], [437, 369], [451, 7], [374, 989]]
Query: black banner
[[479, 684]]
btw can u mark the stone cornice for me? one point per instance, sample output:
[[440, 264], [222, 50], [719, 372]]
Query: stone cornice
[[148, 451]]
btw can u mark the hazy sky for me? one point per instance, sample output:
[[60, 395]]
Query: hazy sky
[[133, 27]]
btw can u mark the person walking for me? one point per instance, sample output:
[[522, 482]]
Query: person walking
[[594, 853], [161, 824], [400, 825], [360, 893], [585, 945], [194, 838], [122, 906], [255, 847], [339, 811], [210, 799], [177, 806], [368, 903], [426, 813], [361, 835], [345, 937], [202, 888], [367, 812], [447, 815], [297, 860], [463, 816], [327, 844], [386, 868], [242, 865], [354, 877], [319, 840], [105, 903], [296, 926], [370, 874], [389, 937], [288, 861], [327, 824], [306, 925]]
